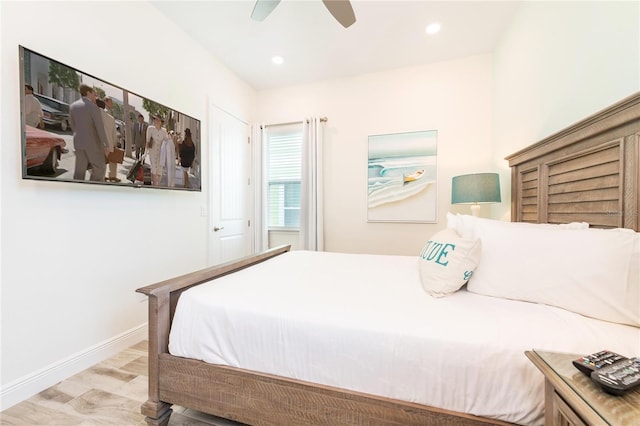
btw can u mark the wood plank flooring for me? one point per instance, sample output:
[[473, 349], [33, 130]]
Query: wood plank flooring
[[109, 393]]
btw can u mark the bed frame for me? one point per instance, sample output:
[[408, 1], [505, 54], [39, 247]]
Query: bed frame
[[588, 172], [256, 398]]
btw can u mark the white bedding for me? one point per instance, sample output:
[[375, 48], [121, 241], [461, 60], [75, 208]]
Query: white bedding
[[364, 323]]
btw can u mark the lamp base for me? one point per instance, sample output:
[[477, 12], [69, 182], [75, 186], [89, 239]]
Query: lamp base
[[475, 209]]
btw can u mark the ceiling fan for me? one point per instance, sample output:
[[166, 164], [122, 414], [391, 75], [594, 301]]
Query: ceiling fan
[[340, 9]]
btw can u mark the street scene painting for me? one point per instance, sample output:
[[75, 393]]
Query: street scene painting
[[79, 128], [402, 177]]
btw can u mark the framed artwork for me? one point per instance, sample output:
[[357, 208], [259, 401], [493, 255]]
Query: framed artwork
[[402, 177]]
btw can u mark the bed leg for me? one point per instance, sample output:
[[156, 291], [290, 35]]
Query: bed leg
[[158, 413]]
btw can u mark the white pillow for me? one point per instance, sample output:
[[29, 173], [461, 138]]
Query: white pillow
[[447, 262], [587, 271], [464, 224], [633, 281]]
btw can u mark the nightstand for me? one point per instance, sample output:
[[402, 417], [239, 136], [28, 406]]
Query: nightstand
[[571, 398]]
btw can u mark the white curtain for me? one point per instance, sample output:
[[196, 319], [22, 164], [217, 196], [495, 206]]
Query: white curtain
[[259, 179], [311, 191]]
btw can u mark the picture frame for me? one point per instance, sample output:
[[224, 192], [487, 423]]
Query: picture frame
[[402, 177]]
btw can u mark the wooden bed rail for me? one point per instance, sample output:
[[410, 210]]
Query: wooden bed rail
[[163, 298], [183, 282]]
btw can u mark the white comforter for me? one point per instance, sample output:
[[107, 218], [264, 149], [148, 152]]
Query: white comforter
[[364, 322]]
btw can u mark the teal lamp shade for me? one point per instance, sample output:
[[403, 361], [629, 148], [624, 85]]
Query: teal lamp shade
[[475, 188]]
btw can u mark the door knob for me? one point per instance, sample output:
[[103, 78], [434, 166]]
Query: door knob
[[216, 229]]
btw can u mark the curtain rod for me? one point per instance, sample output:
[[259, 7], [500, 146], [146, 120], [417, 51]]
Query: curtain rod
[[322, 120]]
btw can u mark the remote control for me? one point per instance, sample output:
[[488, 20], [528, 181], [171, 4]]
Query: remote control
[[588, 364], [618, 378]]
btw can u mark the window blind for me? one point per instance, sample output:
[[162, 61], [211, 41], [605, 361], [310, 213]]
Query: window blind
[[284, 159]]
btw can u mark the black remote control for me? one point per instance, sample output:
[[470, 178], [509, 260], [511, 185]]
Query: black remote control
[[588, 364], [618, 378]]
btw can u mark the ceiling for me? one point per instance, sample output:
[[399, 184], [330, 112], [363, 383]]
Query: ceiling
[[387, 34]]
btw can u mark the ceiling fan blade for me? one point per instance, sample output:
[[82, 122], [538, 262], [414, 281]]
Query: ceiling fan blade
[[342, 11], [263, 8]]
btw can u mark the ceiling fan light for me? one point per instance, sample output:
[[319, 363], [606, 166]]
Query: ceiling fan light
[[433, 28], [277, 59]]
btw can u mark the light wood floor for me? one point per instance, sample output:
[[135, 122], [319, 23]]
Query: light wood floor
[[109, 393]]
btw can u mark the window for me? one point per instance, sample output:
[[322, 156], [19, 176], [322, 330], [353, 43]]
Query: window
[[284, 159]]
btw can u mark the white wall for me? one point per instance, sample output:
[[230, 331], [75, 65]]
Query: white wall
[[73, 254], [452, 97], [558, 63]]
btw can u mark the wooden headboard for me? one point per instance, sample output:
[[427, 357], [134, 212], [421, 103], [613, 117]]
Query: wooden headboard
[[587, 172]]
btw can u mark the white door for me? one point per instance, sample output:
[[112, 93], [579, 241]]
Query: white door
[[229, 231]]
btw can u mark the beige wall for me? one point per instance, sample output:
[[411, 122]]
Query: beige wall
[[557, 63], [452, 97], [281, 238]]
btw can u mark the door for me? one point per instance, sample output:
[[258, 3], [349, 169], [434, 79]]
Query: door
[[229, 227]]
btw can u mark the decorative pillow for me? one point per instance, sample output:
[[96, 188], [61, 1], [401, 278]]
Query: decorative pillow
[[447, 262], [587, 271]]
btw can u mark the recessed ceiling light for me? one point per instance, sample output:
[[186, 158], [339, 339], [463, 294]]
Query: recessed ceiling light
[[433, 28], [278, 60]]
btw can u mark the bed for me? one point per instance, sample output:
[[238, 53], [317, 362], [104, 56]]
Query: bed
[[588, 172]]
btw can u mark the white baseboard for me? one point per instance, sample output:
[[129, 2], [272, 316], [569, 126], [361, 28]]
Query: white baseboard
[[29, 385]]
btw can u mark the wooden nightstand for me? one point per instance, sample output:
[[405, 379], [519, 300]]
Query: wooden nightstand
[[571, 398]]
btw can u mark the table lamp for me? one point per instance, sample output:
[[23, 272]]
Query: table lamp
[[474, 189]]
